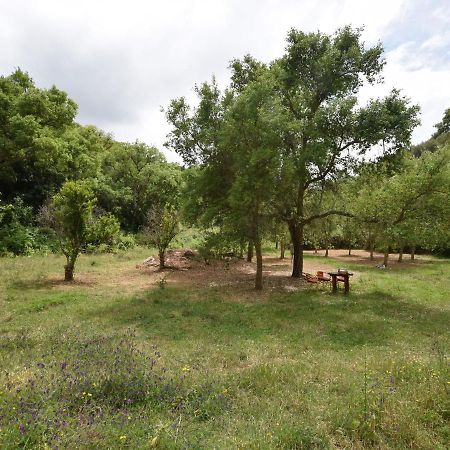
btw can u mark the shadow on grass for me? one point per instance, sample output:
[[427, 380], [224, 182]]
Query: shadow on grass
[[313, 317], [47, 283]]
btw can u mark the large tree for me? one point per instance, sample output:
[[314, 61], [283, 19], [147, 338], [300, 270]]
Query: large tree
[[321, 130], [318, 79], [33, 151]]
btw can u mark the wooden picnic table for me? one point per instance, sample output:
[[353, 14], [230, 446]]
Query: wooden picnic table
[[343, 277]]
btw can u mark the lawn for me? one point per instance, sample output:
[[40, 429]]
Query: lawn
[[123, 358]]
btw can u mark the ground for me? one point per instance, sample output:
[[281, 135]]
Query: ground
[[132, 357]]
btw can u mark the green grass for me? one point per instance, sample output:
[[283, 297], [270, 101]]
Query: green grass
[[193, 368]]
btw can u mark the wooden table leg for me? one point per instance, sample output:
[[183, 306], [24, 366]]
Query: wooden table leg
[[346, 284], [334, 278]]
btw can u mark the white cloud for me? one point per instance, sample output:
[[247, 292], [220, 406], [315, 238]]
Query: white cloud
[[121, 60]]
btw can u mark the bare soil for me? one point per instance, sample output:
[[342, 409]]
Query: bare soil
[[233, 277]]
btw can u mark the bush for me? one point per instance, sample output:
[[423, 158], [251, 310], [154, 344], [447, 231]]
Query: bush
[[218, 244], [105, 236], [18, 235]]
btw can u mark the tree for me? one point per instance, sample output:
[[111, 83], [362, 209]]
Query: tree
[[134, 178], [69, 215], [231, 139], [444, 125], [249, 136], [408, 207], [33, 152], [320, 129], [440, 138], [318, 78], [161, 228]]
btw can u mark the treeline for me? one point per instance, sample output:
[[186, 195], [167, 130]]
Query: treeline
[[42, 148]]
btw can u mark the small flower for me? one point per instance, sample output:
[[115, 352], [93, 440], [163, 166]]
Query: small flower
[[185, 369], [122, 438]]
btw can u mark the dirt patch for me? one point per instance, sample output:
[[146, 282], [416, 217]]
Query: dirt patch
[[235, 278]]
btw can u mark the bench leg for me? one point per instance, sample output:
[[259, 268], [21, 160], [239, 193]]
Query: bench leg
[[347, 285], [334, 284]]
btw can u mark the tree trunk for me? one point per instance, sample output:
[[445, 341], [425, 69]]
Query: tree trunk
[[259, 267], [349, 250], [296, 232], [326, 251], [276, 245], [315, 250], [371, 250], [386, 257], [250, 251], [162, 257], [413, 251], [282, 249], [400, 254], [69, 268]]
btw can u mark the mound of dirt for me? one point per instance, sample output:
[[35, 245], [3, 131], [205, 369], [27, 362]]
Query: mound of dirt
[[179, 259]]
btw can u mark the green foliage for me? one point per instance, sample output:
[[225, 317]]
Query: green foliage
[[408, 208], [218, 243], [32, 149], [440, 138], [163, 224], [134, 178], [69, 215], [444, 125], [18, 233], [280, 134], [103, 231]]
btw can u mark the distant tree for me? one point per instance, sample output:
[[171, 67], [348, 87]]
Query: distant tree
[[134, 178], [409, 207], [103, 230], [444, 125], [440, 138], [161, 228]]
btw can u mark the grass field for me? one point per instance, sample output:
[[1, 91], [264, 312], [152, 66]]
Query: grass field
[[120, 360]]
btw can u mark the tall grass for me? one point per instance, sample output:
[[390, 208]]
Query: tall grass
[[202, 369]]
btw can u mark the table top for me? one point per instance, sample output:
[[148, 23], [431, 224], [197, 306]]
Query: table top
[[340, 273]]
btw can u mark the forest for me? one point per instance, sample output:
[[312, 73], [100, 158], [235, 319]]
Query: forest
[[283, 161]]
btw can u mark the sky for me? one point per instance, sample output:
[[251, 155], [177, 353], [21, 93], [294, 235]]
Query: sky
[[122, 61]]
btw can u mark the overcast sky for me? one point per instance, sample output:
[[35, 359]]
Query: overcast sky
[[122, 60]]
